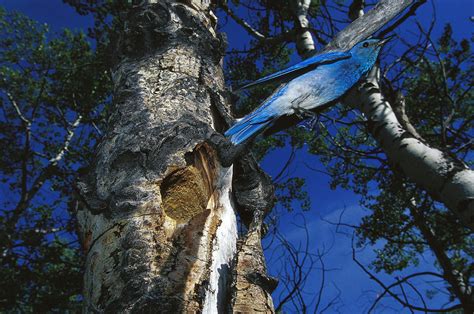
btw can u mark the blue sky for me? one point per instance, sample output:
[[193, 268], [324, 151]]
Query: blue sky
[[358, 291]]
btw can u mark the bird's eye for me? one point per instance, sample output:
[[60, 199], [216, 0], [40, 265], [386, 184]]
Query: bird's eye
[[365, 45]]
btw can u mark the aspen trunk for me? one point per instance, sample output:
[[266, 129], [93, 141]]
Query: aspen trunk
[[158, 225], [444, 177]]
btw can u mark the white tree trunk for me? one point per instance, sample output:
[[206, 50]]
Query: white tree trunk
[[445, 178], [225, 245], [304, 40]]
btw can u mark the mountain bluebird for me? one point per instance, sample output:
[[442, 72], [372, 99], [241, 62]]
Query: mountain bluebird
[[313, 82]]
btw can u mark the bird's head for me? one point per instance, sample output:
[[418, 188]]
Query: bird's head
[[369, 49]]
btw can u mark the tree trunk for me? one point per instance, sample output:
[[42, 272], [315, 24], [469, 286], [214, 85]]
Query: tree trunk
[[158, 225], [444, 177]]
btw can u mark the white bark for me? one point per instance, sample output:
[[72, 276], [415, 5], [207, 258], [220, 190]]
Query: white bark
[[304, 40], [445, 178]]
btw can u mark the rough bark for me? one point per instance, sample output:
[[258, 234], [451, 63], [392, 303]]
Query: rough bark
[[158, 225], [251, 282], [254, 195], [446, 179]]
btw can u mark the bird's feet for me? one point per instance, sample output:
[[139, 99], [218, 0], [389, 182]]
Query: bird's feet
[[304, 113], [311, 118]]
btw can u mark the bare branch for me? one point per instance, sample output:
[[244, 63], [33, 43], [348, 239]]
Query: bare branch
[[408, 14], [399, 282], [67, 142], [18, 111], [395, 296], [252, 32]]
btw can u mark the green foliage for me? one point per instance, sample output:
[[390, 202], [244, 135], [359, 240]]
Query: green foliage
[[291, 192], [47, 83], [439, 94]]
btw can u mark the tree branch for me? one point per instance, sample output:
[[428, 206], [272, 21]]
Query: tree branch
[[18, 111], [408, 14], [396, 297], [367, 24], [70, 133], [459, 286], [252, 31], [444, 177]]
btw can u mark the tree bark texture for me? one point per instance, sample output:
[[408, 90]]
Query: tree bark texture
[[444, 177], [250, 279], [367, 24], [158, 223]]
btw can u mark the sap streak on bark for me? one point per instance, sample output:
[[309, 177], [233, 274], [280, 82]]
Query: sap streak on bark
[[445, 178], [157, 195], [225, 244]]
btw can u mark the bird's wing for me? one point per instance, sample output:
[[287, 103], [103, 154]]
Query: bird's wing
[[301, 68]]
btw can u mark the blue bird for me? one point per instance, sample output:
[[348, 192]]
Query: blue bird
[[313, 82]]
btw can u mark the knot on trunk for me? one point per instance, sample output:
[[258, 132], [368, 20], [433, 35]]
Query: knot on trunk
[[253, 190]]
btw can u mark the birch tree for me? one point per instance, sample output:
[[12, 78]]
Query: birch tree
[[51, 86]]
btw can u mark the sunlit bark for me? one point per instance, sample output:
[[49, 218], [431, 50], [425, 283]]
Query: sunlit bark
[[444, 177], [158, 225]]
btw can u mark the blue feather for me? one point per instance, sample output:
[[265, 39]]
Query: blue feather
[[312, 83], [301, 67], [248, 126], [252, 123]]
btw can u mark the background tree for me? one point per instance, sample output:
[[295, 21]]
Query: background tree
[[52, 94]]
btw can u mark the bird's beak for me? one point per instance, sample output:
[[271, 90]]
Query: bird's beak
[[385, 40]]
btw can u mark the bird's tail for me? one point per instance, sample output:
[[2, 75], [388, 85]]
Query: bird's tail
[[249, 126]]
